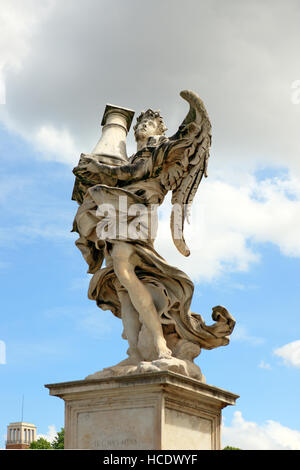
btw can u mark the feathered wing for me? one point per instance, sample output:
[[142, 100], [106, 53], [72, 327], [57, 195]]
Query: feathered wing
[[191, 143]]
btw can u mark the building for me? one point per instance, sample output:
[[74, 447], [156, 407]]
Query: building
[[20, 435]]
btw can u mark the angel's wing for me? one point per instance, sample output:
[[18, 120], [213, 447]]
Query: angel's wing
[[194, 140]]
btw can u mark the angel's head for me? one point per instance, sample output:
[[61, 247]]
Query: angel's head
[[148, 124]]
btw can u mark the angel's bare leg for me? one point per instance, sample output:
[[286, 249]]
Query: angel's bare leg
[[132, 325], [124, 267]]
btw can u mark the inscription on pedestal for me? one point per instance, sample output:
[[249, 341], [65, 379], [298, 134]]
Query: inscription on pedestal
[[115, 444], [116, 429]]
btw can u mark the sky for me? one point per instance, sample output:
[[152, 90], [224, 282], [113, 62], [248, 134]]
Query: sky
[[60, 64]]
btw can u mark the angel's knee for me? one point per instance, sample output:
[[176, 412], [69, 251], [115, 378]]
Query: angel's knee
[[125, 273]]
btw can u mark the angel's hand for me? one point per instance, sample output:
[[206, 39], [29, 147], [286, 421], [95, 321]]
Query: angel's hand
[[91, 165], [92, 172], [171, 176], [88, 177]]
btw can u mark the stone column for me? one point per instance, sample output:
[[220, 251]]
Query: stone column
[[111, 147]]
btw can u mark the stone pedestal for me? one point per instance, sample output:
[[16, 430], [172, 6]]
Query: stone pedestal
[[160, 410]]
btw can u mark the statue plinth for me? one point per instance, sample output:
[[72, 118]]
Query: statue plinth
[[157, 410]]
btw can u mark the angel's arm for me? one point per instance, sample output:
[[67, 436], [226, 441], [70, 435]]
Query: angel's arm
[[102, 173]]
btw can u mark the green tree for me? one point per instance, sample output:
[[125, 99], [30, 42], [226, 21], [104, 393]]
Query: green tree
[[40, 443], [58, 442], [231, 448]]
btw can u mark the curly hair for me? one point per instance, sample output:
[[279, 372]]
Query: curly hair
[[155, 115]]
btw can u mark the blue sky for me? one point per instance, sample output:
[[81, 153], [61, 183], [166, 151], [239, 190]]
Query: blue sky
[[245, 231]]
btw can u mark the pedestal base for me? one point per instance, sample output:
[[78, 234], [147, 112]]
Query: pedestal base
[[161, 410]]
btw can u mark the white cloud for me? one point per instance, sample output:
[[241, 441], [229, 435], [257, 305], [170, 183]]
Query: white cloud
[[51, 434], [63, 71], [2, 352], [270, 435], [290, 353], [227, 217], [19, 23], [2, 89], [240, 333], [264, 365], [56, 144]]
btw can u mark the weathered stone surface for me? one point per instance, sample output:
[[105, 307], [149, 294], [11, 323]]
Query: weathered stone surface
[[180, 366], [117, 222], [158, 410]]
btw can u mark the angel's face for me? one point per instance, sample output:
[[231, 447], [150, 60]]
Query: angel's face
[[146, 128]]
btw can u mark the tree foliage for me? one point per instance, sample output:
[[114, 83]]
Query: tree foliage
[[58, 442], [231, 448], [42, 443]]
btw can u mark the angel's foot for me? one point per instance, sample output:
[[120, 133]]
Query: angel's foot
[[163, 352]]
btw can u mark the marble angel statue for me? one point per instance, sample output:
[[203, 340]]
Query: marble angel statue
[[151, 297]]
